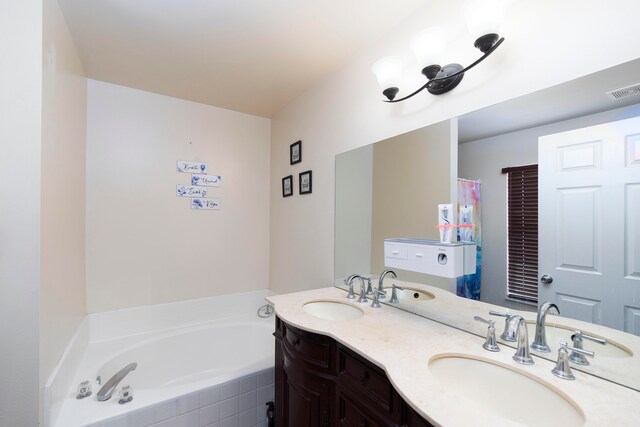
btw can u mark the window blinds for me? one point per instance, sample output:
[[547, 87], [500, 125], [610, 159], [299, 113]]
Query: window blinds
[[522, 232]]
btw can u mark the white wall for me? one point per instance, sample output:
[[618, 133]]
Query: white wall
[[144, 244], [20, 134], [345, 111], [64, 116], [484, 159]]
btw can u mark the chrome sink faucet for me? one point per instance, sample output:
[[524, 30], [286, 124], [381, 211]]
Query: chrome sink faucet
[[381, 281], [540, 341], [522, 353], [363, 289], [349, 283], [108, 388]]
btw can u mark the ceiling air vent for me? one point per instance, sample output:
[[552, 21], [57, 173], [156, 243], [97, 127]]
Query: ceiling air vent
[[624, 92]]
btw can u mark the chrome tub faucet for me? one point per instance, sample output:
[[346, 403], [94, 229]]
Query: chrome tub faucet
[[109, 387]]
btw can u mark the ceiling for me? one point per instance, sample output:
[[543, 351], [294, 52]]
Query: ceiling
[[569, 100], [253, 56]]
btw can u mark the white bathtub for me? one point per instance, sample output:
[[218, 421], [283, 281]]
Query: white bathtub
[[208, 369]]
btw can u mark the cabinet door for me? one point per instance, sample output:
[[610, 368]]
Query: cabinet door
[[352, 413], [306, 399]]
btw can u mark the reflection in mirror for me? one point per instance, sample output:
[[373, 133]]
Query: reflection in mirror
[[387, 190], [492, 139]]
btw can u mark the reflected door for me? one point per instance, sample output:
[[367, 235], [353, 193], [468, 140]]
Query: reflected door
[[589, 223]]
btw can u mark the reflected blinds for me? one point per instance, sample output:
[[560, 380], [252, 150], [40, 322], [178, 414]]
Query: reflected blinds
[[522, 232]]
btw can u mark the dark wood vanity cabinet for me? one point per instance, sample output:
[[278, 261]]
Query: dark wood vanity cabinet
[[320, 382]]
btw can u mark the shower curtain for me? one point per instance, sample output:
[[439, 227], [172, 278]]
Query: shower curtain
[[469, 205]]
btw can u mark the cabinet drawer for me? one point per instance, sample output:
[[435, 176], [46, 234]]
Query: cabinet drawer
[[392, 250], [368, 381], [308, 348]]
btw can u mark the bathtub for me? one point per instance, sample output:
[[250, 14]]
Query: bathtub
[[215, 365]]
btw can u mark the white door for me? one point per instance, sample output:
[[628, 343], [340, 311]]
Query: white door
[[589, 223]]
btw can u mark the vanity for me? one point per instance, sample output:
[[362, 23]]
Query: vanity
[[365, 366], [320, 381]]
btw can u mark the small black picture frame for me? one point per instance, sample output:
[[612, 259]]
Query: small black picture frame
[[305, 182], [295, 153], [287, 186]]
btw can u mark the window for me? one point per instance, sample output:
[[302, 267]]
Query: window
[[522, 232]]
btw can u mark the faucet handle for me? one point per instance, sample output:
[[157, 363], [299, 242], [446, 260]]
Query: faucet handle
[[394, 295], [577, 338], [497, 313], [376, 298], [510, 325], [369, 287], [579, 335], [563, 368], [490, 344]]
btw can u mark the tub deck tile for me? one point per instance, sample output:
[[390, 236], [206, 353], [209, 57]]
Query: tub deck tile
[[209, 396]]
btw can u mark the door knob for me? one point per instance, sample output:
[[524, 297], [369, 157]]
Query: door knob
[[546, 279]]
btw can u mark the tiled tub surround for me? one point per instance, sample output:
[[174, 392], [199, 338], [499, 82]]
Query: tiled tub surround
[[237, 403], [206, 362]]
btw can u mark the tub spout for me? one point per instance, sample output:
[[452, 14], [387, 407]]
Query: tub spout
[[107, 389]]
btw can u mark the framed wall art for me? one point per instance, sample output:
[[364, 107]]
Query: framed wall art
[[305, 179], [287, 186], [295, 153]]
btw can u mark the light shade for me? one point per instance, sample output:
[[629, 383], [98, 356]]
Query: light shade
[[428, 46], [484, 16], [388, 71]]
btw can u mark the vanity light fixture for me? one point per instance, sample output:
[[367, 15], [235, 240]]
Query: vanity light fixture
[[428, 45]]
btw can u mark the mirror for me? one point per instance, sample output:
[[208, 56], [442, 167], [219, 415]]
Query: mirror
[[392, 188]]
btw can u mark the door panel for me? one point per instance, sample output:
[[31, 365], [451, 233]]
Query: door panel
[[579, 239], [632, 227], [589, 223]]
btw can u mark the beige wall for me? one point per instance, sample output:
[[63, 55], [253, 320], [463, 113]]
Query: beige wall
[[64, 114], [20, 135], [410, 178], [354, 185], [345, 111], [144, 244]]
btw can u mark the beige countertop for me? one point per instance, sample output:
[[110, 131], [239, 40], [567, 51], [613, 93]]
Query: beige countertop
[[402, 344]]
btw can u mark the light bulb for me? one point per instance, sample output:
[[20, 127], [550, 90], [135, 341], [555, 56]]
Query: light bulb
[[388, 71], [428, 46], [484, 16]]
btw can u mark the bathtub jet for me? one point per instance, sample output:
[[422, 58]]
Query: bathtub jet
[[107, 389]]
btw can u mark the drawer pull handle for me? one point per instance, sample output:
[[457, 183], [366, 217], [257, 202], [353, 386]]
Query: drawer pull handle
[[396, 252], [419, 255], [364, 378]]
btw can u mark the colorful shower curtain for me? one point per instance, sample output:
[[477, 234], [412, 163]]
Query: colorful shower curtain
[[469, 212]]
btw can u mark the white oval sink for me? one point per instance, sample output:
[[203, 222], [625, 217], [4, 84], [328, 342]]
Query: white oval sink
[[556, 333], [505, 392], [410, 294], [332, 310]]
